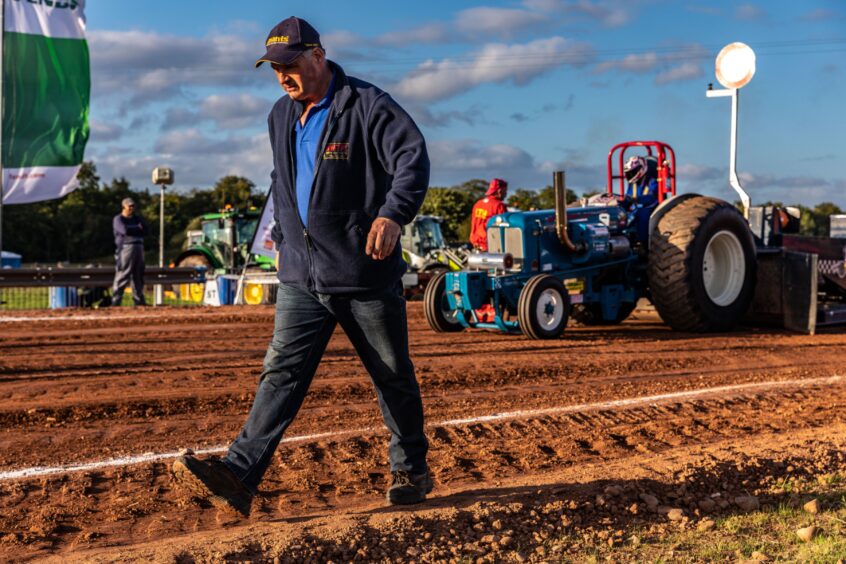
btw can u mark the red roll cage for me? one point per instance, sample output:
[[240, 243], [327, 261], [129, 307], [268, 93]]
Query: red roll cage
[[666, 166]]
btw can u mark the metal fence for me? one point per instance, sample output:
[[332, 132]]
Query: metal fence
[[40, 288]]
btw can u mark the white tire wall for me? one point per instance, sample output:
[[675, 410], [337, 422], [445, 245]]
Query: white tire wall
[[702, 266]]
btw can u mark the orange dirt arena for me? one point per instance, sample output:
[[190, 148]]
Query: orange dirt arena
[[585, 436]]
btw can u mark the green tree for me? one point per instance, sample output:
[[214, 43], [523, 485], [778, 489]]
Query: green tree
[[546, 198], [524, 200], [453, 205], [235, 191], [815, 221]]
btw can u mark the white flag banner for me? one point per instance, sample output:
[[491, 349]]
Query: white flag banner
[[46, 97], [262, 243]]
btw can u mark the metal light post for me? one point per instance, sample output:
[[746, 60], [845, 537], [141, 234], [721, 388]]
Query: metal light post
[[161, 176], [735, 67]]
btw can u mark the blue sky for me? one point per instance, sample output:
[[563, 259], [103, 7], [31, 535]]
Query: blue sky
[[510, 89]]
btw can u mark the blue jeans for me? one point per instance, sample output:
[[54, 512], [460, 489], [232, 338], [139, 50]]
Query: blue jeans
[[376, 325]]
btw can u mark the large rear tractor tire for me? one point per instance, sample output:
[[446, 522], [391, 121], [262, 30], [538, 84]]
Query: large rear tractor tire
[[591, 314], [436, 306], [193, 292], [543, 307], [702, 266]]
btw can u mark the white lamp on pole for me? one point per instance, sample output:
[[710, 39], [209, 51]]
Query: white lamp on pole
[[161, 176], [734, 67]]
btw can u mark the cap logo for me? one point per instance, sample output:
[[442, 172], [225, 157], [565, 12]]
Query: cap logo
[[274, 39]]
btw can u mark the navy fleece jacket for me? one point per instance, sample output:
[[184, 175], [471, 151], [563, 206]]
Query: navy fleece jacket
[[371, 162]]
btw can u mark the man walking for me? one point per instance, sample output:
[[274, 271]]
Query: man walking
[[492, 204], [129, 230], [350, 168]]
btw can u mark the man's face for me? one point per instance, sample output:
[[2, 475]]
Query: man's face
[[128, 210], [303, 78]]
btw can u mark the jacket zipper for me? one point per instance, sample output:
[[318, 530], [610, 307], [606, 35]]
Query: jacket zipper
[[306, 236], [309, 246]]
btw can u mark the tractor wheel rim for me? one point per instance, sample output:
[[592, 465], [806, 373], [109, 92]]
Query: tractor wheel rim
[[451, 316], [549, 310], [724, 268]]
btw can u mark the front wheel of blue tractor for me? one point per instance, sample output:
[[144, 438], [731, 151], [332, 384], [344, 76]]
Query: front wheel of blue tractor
[[543, 307], [440, 317]]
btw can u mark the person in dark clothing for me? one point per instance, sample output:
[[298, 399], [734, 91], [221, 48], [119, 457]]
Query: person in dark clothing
[[350, 167], [130, 230]]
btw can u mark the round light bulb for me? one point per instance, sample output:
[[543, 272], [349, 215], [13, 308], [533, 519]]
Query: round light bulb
[[735, 65]]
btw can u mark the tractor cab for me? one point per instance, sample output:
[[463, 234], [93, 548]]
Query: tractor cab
[[423, 235], [227, 235], [223, 240]]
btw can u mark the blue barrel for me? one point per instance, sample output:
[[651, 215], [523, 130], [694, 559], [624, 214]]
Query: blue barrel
[[227, 285], [63, 296]]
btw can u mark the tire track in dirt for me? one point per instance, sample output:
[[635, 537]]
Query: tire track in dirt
[[185, 379], [338, 475]]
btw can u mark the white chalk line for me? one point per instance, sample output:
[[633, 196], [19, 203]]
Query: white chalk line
[[37, 471]]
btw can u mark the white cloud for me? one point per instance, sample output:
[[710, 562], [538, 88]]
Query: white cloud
[[227, 111], [180, 117], [196, 160], [684, 71], [348, 46], [637, 63], [105, 131], [674, 63], [470, 155], [493, 63], [499, 22], [427, 33], [455, 161], [236, 111], [750, 13], [691, 171], [427, 117], [609, 13], [822, 15], [140, 67]]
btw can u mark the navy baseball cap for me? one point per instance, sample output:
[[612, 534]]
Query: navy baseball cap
[[288, 40]]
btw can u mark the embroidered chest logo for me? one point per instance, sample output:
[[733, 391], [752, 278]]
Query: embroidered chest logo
[[337, 152]]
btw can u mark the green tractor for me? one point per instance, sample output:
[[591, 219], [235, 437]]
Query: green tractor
[[222, 247]]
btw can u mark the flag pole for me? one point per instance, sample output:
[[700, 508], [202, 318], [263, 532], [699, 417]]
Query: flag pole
[[2, 171]]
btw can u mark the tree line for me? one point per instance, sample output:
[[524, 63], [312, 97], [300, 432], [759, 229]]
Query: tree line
[[78, 228]]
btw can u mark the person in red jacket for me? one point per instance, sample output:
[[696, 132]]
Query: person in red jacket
[[489, 206]]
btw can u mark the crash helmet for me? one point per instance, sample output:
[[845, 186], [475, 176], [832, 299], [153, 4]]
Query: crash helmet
[[634, 169]]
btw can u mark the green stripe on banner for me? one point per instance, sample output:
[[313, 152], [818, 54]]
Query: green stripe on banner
[[46, 96]]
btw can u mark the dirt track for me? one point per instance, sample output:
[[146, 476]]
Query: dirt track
[[79, 388]]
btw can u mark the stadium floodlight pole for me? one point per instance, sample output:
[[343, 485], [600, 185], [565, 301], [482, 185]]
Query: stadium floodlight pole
[[735, 67], [161, 176]]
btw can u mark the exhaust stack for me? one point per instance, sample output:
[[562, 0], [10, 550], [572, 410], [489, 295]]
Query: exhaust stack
[[561, 210]]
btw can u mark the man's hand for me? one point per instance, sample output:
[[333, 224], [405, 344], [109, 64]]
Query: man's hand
[[277, 261], [382, 238]]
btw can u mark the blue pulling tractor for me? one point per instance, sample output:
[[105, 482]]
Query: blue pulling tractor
[[694, 257]]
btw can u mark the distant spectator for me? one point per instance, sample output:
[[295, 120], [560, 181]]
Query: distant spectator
[[492, 204], [130, 230]]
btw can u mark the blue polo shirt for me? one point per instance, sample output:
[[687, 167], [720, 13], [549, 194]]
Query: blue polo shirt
[[306, 144]]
